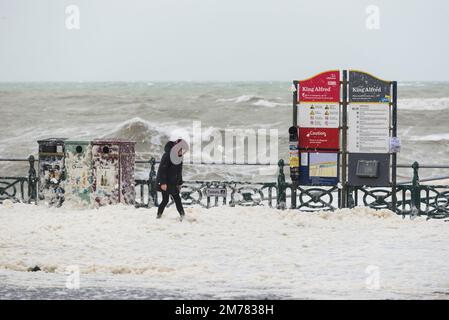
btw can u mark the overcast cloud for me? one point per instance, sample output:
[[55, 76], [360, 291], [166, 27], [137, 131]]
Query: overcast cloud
[[223, 40]]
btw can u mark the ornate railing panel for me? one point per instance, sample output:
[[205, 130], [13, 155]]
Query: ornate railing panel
[[233, 194], [375, 198], [20, 189], [317, 198], [13, 188], [432, 201]]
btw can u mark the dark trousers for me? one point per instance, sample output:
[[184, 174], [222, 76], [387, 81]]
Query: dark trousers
[[166, 198]]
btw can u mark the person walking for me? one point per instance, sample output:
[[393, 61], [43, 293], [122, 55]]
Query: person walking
[[169, 176]]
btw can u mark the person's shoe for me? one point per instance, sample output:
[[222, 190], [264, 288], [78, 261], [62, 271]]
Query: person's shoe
[[182, 214], [159, 215]]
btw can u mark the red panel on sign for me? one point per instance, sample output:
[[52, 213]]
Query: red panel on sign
[[324, 87], [319, 138]]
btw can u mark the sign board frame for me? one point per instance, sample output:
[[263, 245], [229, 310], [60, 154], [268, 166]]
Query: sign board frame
[[370, 101], [352, 92], [319, 101]]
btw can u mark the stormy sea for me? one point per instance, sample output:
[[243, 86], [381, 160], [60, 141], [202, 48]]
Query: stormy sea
[[153, 112]]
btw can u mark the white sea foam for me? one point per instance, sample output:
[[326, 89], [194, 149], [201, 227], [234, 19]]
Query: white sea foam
[[431, 137], [227, 252], [269, 104], [254, 100], [413, 104], [424, 104], [239, 99]]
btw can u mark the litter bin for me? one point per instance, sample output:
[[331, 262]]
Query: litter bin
[[78, 172], [51, 170], [113, 171]]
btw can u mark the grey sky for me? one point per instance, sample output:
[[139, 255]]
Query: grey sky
[[221, 39]]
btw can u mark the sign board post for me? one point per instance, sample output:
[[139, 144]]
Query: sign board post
[[292, 136], [344, 142], [394, 135]]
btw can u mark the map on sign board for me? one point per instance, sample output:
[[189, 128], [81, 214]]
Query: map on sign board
[[319, 169], [364, 87], [319, 115], [323, 165], [368, 128], [324, 87]]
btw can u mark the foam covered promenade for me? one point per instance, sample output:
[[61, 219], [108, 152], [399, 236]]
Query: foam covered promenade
[[221, 253]]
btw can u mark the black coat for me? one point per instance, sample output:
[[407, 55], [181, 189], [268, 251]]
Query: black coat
[[169, 173]]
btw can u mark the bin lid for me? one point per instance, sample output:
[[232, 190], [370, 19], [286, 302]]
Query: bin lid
[[77, 142], [52, 140], [113, 141]]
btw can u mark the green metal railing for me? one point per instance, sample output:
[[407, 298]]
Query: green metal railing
[[412, 197], [20, 189], [237, 193]]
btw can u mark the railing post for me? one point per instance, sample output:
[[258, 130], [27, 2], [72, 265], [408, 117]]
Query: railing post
[[415, 192], [344, 143], [32, 181], [394, 132], [281, 196], [294, 124], [152, 183], [350, 201]]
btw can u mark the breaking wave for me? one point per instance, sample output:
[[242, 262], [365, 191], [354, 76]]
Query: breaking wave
[[269, 104], [240, 99], [439, 137], [254, 100], [424, 104], [150, 137]]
